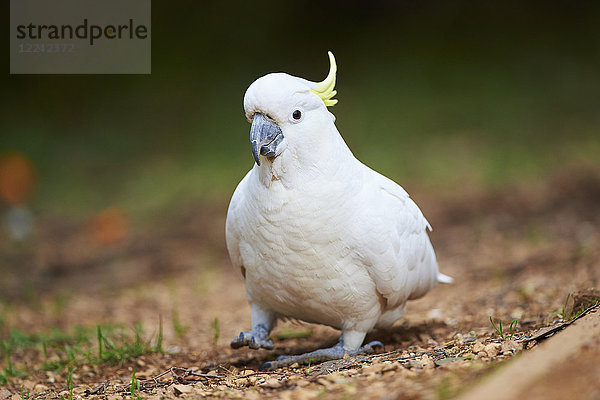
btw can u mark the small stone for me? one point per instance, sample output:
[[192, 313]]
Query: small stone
[[39, 388], [391, 366], [427, 362], [492, 349], [511, 347], [373, 369], [481, 354], [272, 383], [531, 345], [182, 389], [478, 347]]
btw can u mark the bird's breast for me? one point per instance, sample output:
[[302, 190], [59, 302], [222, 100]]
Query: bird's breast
[[299, 264]]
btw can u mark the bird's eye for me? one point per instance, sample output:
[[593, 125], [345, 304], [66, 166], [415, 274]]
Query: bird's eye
[[297, 114]]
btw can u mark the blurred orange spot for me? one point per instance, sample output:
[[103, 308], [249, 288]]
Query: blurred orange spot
[[17, 177], [109, 226]]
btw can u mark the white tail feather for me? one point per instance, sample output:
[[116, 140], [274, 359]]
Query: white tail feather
[[444, 278]]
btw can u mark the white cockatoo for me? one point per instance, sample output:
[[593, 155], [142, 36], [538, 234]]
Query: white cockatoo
[[319, 236]]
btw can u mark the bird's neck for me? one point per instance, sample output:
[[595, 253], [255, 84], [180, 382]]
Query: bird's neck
[[294, 168]]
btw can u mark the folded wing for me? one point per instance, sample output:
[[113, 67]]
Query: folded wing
[[391, 235]]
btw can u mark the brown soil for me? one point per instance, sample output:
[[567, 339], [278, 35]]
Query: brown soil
[[564, 367], [515, 253]]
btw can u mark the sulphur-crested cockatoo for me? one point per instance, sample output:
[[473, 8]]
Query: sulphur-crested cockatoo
[[319, 236]]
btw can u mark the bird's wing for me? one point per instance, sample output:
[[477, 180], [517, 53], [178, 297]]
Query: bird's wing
[[235, 222], [393, 241]]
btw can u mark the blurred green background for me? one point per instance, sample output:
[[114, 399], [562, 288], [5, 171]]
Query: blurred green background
[[439, 95]]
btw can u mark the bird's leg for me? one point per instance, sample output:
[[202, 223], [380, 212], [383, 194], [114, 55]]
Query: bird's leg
[[332, 353], [262, 323]]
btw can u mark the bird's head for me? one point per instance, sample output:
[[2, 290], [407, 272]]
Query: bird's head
[[287, 111]]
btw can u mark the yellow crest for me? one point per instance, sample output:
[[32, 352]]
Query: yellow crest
[[325, 90]]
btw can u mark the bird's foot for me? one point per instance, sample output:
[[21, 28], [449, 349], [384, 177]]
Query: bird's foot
[[321, 355], [255, 339]]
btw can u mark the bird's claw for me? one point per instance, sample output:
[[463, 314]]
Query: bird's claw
[[266, 366], [370, 347], [254, 339]]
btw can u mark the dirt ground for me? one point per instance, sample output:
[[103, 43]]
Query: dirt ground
[[515, 253]]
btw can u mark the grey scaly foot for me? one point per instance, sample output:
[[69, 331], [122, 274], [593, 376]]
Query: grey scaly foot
[[321, 355], [255, 339]]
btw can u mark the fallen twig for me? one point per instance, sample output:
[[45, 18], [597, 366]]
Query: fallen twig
[[545, 333], [178, 375], [98, 389]]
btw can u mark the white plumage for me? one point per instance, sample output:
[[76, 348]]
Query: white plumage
[[318, 235]]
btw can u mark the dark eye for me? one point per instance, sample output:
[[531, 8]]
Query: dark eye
[[296, 114]]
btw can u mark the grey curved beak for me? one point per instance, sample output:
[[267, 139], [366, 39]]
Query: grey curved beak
[[265, 136]]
